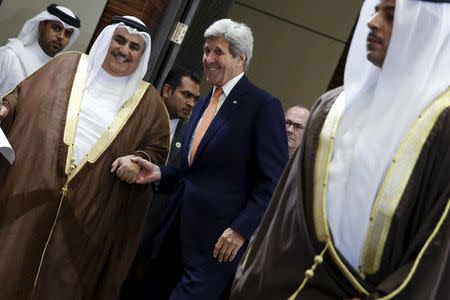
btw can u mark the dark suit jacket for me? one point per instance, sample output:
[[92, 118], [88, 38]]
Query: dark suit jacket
[[140, 276], [160, 200], [174, 157], [233, 175]]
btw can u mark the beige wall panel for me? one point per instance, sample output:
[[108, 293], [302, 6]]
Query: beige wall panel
[[331, 17], [291, 63], [13, 13]]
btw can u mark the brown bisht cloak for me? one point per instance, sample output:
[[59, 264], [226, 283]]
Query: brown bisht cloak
[[406, 254], [66, 231]]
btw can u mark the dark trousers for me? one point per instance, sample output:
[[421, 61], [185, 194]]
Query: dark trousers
[[155, 278], [167, 277], [210, 282]]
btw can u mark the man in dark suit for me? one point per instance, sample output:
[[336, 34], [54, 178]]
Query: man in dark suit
[[234, 151], [180, 92]]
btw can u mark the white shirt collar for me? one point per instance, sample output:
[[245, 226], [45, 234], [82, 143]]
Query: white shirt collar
[[173, 125], [227, 87]]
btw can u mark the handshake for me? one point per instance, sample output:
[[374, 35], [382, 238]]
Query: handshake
[[134, 169]]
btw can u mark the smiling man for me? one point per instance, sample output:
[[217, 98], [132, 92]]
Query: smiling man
[[40, 39], [233, 153], [363, 208], [70, 216]]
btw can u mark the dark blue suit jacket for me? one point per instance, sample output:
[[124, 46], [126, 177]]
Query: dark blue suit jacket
[[236, 168]]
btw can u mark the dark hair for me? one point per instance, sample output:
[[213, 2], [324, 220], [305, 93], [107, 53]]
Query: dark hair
[[175, 75]]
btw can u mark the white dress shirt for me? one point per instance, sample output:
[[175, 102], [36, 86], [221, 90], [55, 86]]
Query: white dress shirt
[[226, 88]]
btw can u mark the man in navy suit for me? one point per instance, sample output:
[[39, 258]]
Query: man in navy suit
[[227, 173]]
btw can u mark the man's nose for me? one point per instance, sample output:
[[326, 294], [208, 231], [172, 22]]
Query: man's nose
[[190, 103], [209, 58], [60, 35], [124, 50], [374, 23]]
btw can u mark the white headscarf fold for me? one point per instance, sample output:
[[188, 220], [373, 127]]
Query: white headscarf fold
[[26, 46], [99, 52], [30, 30], [104, 94], [380, 105]]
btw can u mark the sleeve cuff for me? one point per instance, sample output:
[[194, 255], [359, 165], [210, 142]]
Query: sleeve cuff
[[143, 155]]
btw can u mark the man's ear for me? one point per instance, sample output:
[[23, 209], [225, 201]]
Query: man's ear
[[167, 90], [242, 58]]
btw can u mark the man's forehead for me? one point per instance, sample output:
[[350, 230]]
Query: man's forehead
[[297, 114], [187, 84], [219, 42], [56, 22], [296, 110], [137, 38]]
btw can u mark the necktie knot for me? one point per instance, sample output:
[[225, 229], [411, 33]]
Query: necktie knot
[[217, 93]]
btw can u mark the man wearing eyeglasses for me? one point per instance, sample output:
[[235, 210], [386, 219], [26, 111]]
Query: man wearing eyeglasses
[[296, 118]]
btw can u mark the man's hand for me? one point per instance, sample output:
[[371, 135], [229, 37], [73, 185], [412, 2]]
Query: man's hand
[[149, 172], [126, 169], [228, 245], [3, 112]]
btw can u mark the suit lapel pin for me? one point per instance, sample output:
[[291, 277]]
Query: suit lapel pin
[[178, 144], [234, 102]]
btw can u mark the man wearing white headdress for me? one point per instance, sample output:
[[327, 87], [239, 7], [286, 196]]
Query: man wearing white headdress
[[40, 39], [70, 217], [362, 210]]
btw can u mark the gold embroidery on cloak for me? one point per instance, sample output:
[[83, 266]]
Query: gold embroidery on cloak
[[107, 137], [322, 163], [395, 182], [384, 207], [100, 146], [420, 255]]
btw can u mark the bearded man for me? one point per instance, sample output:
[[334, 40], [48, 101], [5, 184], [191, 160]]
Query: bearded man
[[362, 210], [39, 40]]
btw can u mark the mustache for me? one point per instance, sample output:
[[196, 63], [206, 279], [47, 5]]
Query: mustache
[[372, 37], [57, 43], [118, 54]]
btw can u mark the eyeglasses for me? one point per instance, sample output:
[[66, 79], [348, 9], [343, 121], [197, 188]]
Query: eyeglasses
[[297, 126]]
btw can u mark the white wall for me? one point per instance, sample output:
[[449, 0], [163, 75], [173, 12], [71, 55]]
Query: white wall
[[13, 13], [297, 44]]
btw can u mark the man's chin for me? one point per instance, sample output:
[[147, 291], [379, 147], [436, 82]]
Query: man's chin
[[212, 79], [374, 59], [56, 47], [51, 52]]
